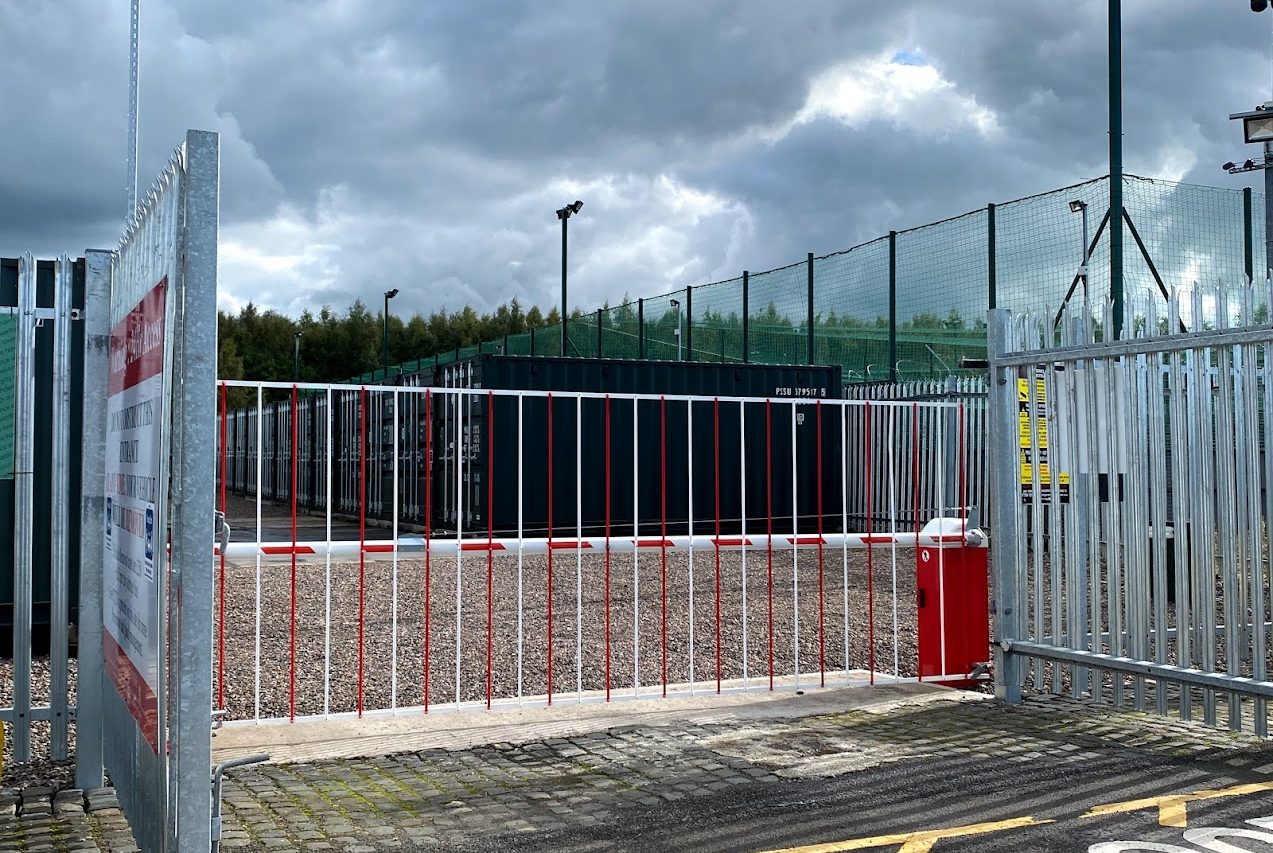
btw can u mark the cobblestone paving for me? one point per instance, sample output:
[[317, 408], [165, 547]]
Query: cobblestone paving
[[432, 797]]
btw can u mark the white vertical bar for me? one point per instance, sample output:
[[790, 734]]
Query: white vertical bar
[[742, 473], [892, 515], [461, 399], [256, 654], [636, 537], [844, 522], [327, 572], [578, 550], [689, 443], [521, 495], [393, 650], [795, 549]]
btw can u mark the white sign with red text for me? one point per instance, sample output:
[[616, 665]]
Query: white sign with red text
[[135, 544]]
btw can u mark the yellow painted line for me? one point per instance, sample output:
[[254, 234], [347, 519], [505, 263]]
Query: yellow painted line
[[914, 842], [1173, 808]]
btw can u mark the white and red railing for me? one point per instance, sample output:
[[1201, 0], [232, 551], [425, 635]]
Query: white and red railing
[[388, 616]]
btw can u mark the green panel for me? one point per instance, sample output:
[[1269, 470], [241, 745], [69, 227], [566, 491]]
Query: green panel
[[8, 382]]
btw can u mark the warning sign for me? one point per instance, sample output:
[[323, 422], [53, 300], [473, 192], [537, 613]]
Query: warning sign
[[1032, 428]]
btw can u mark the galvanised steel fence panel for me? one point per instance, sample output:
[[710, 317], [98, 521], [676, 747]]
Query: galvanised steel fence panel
[[1131, 505], [762, 584], [155, 712], [39, 483]]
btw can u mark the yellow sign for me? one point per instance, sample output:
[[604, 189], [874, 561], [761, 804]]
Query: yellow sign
[[1032, 435]]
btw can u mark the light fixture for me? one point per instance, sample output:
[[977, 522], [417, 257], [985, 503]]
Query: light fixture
[[1259, 5], [1229, 166], [1078, 206], [1257, 125]]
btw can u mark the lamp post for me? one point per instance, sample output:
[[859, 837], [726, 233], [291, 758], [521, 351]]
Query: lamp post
[[1257, 126], [564, 215], [676, 303], [296, 356], [1080, 206], [389, 294]]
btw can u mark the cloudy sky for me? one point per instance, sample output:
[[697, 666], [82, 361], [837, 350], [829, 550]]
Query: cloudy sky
[[425, 145]]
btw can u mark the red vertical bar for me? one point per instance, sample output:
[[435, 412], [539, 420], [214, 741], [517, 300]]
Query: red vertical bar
[[221, 589], [490, 536], [716, 469], [550, 549], [822, 626], [769, 546], [663, 537], [428, 531], [291, 669], [870, 551], [607, 547], [919, 650], [362, 533]]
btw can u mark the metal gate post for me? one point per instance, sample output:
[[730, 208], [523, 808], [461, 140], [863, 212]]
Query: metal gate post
[[193, 482], [23, 508], [88, 699], [1002, 415], [60, 511]]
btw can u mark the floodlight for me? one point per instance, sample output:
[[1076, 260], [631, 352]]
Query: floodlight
[[390, 294], [1229, 166], [1259, 5], [1257, 125], [577, 206], [1078, 206]]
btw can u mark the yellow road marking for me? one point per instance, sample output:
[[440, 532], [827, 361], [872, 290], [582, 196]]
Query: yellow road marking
[[914, 842], [1173, 808]]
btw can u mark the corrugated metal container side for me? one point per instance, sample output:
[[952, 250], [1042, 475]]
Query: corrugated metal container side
[[578, 433], [43, 518]]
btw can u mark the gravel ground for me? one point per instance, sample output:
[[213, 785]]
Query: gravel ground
[[42, 770], [239, 649]]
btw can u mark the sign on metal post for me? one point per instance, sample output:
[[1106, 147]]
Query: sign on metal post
[[157, 471]]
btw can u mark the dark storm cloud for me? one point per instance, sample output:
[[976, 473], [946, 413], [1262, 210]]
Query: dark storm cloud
[[427, 144]]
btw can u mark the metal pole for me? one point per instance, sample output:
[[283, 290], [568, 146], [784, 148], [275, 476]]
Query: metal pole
[[992, 296], [599, 315], [24, 509], [640, 328], [1248, 250], [385, 324], [1083, 214], [133, 86], [1268, 205], [564, 321], [892, 306], [60, 510], [809, 299], [88, 692], [689, 323], [1003, 448], [1116, 163], [296, 357], [746, 341]]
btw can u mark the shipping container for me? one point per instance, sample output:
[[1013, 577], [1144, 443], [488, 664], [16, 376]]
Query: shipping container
[[781, 444]]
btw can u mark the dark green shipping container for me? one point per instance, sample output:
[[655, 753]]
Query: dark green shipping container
[[661, 470]]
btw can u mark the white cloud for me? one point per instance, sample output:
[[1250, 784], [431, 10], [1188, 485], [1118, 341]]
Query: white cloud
[[901, 88]]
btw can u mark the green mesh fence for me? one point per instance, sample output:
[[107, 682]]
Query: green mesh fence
[[1193, 237]]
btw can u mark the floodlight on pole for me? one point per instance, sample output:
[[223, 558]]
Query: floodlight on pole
[[1257, 128], [564, 214], [676, 303], [389, 294], [1080, 206]]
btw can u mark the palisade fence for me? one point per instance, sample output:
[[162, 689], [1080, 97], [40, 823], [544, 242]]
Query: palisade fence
[[911, 304]]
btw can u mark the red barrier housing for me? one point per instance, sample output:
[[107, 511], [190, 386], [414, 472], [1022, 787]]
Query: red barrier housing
[[952, 587]]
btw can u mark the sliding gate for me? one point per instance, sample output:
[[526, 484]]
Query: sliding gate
[[1131, 507]]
